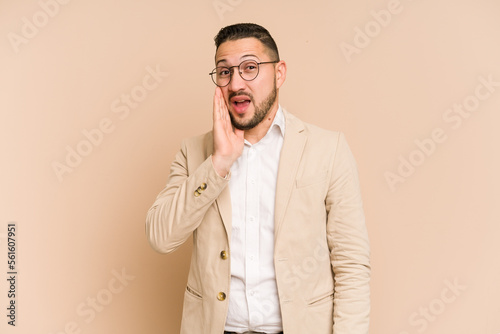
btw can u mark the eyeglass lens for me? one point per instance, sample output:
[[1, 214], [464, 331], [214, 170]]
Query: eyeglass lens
[[248, 70]]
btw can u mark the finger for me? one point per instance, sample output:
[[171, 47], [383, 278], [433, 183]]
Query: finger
[[216, 113], [227, 118], [218, 104], [221, 107], [224, 107], [225, 111]]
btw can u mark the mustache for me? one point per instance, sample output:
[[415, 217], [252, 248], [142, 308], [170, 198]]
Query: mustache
[[240, 93]]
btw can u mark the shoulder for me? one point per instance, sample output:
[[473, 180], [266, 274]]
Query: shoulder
[[201, 142], [315, 134], [195, 150]]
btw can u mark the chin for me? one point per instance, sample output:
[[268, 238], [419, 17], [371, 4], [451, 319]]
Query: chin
[[241, 123]]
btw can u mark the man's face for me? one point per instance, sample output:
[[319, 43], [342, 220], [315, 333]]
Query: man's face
[[249, 102]]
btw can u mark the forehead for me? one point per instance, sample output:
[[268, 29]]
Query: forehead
[[233, 51]]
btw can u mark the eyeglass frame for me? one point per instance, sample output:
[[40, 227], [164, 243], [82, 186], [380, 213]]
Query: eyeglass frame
[[239, 71]]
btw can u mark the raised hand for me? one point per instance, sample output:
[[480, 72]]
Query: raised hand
[[228, 141]]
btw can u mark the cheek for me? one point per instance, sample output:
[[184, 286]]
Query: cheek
[[267, 84], [262, 89]]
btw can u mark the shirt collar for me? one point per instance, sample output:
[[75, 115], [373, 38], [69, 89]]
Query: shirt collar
[[279, 120]]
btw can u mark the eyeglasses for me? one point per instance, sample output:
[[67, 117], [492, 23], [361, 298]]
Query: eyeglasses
[[248, 70]]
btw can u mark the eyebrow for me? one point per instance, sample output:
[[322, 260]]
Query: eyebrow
[[248, 55]]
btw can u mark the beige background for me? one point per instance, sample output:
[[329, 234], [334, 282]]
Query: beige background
[[438, 228]]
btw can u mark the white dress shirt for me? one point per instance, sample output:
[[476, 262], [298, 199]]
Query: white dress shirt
[[253, 296]]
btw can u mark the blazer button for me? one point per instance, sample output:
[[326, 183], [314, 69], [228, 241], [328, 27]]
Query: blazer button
[[221, 296], [223, 255], [203, 186], [196, 193]]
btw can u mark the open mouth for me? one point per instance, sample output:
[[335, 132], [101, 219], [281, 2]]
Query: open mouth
[[240, 103]]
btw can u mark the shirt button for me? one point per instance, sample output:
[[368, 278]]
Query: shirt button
[[224, 255], [221, 296], [251, 257], [252, 219], [252, 292]]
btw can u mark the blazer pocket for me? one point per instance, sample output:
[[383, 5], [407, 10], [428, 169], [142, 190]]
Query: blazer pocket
[[193, 292], [326, 297], [311, 180]]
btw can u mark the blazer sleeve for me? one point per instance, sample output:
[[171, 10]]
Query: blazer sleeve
[[180, 207], [349, 245]]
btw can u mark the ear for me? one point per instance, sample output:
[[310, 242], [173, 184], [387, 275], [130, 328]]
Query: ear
[[280, 73]]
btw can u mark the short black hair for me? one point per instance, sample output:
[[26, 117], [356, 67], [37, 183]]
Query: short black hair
[[245, 30]]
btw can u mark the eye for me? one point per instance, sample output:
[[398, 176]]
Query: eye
[[223, 72], [250, 67]]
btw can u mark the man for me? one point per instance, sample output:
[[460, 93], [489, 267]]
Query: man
[[273, 205]]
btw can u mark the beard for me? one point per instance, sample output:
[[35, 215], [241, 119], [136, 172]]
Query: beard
[[261, 110]]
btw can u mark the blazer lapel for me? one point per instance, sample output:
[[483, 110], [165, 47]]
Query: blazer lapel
[[291, 152]]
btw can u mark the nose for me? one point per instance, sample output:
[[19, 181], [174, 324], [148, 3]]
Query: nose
[[237, 83]]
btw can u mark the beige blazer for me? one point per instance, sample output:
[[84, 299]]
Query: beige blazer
[[321, 252]]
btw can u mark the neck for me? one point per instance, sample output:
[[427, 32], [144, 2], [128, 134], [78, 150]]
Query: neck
[[255, 134]]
